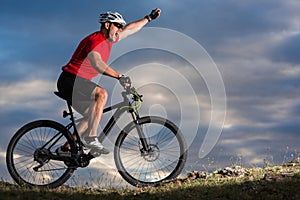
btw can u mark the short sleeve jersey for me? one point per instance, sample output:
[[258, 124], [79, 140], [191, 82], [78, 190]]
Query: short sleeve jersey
[[79, 65]]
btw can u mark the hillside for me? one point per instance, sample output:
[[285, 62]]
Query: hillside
[[279, 182]]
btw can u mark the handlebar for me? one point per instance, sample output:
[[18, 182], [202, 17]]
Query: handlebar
[[125, 81], [135, 97], [134, 93]]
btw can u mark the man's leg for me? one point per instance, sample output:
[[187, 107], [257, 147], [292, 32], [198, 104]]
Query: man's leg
[[88, 130], [93, 114], [99, 98]]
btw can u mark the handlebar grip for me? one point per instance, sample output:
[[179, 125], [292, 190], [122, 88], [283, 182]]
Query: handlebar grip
[[125, 80]]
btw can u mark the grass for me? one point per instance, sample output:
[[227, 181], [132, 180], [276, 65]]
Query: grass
[[279, 182]]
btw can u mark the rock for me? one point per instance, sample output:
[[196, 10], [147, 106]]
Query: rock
[[196, 174]]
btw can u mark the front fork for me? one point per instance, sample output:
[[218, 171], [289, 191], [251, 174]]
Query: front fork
[[140, 131]]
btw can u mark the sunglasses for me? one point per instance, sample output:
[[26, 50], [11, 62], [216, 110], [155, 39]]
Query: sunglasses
[[118, 25]]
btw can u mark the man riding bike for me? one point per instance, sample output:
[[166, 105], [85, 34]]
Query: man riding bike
[[89, 60]]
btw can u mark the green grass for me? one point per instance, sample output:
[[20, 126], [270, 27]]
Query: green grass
[[279, 182]]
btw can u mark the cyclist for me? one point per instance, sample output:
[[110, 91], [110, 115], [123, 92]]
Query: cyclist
[[89, 60]]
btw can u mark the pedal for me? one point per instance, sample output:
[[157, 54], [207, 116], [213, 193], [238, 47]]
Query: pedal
[[94, 152]]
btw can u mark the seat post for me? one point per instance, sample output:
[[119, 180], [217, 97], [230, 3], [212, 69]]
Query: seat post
[[71, 112], [65, 114], [72, 118]]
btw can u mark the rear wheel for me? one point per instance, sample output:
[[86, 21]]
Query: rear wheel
[[164, 160], [29, 151]]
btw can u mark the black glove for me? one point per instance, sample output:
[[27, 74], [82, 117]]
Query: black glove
[[125, 81], [153, 15]]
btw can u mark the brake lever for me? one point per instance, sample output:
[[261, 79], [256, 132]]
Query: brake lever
[[136, 95]]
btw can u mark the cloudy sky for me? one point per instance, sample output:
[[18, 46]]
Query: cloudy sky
[[254, 44]]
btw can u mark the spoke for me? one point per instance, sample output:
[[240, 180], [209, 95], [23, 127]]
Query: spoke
[[160, 161], [23, 157], [51, 170]]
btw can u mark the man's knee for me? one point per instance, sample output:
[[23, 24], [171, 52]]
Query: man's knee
[[100, 94]]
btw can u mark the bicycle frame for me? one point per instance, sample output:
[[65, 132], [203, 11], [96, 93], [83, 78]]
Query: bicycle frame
[[122, 107]]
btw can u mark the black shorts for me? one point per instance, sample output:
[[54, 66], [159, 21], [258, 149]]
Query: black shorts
[[76, 90]]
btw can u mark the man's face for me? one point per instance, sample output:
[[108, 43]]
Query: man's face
[[115, 29]]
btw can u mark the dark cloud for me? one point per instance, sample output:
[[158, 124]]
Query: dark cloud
[[266, 102], [213, 22], [287, 127], [295, 111], [288, 50]]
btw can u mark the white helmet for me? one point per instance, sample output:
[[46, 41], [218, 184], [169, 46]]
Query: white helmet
[[111, 17]]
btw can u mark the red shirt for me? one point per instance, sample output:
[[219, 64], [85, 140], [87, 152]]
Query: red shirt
[[79, 65]]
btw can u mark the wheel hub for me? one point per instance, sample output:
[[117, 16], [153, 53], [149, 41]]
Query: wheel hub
[[153, 153], [41, 155]]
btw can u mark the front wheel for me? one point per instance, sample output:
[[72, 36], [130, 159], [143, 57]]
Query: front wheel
[[165, 158], [28, 155]]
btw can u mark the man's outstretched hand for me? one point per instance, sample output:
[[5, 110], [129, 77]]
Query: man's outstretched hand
[[154, 14]]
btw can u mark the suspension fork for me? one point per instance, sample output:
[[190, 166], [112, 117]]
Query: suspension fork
[[140, 131]]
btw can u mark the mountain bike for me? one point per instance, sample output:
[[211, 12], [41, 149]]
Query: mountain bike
[[148, 150]]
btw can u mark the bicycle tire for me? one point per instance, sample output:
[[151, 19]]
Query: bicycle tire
[[22, 147], [159, 165]]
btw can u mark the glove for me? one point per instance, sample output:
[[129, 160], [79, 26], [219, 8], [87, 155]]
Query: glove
[[153, 15], [125, 81]]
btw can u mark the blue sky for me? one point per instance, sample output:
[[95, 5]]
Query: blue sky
[[254, 44]]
